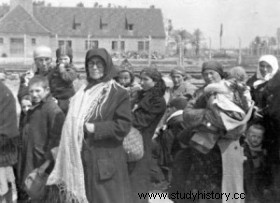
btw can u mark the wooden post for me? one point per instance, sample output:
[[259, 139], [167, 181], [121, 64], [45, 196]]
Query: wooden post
[[119, 47], [24, 48], [240, 52], [88, 42], [149, 51], [210, 44]]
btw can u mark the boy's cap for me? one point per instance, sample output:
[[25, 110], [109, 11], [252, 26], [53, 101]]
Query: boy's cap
[[42, 51], [179, 103], [178, 70]]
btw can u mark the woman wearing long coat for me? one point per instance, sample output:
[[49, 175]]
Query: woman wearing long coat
[[148, 111], [91, 163]]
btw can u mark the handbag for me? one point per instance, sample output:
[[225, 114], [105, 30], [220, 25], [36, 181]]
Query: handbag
[[35, 183], [133, 145]]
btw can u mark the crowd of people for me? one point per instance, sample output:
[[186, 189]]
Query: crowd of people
[[68, 146]]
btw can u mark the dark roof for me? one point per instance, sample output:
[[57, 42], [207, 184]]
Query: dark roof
[[19, 21], [61, 20]]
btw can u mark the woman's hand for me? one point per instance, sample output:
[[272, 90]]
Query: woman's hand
[[89, 127], [43, 167]]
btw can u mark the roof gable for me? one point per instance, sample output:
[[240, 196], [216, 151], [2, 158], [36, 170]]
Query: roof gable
[[19, 21], [60, 20]]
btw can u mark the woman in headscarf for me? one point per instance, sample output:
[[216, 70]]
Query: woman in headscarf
[[91, 162], [149, 109], [215, 164], [265, 86]]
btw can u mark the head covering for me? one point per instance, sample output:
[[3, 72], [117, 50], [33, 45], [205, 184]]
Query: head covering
[[109, 72], [273, 62], [126, 66], [152, 73], [64, 51], [42, 51], [178, 70], [213, 65], [179, 103]]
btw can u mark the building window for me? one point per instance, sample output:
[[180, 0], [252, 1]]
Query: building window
[[147, 45], [64, 42], [17, 46], [1, 40], [140, 46], [130, 27], [114, 45], [143, 45], [33, 41], [90, 44], [122, 45]]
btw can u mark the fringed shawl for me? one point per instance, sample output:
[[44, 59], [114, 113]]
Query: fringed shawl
[[68, 173]]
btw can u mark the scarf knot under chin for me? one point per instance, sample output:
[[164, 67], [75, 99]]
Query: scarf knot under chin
[[68, 173]]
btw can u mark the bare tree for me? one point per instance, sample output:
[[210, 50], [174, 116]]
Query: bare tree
[[95, 5], [80, 4]]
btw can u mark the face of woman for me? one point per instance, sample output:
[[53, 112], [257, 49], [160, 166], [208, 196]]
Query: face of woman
[[146, 82], [211, 76], [265, 68], [96, 67]]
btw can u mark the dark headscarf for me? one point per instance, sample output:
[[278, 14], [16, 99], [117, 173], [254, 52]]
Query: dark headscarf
[[109, 71], [215, 66], [8, 118]]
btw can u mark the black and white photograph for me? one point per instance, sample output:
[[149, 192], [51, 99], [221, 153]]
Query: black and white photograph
[[139, 101]]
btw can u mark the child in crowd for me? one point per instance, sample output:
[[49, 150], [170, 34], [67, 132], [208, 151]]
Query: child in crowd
[[41, 131], [126, 79], [256, 172], [62, 77]]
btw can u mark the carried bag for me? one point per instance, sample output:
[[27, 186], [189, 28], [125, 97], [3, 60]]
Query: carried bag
[[35, 185], [133, 145]]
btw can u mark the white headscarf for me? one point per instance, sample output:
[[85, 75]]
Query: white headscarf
[[273, 62]]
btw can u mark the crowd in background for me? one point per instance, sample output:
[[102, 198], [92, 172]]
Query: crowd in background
[[221, 137]]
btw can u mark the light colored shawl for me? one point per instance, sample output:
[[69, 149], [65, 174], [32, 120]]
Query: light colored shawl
[[68, 173], [271, 60]]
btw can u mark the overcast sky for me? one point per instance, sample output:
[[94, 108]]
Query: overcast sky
[[242, 19]]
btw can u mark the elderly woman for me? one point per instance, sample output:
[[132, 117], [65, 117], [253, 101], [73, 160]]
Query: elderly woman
[[265, 85], [149, 109], [91, 162], [216, 156]]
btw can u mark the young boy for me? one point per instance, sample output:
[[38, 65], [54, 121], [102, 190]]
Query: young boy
[[61, 78], [41, 131], [256, 171]]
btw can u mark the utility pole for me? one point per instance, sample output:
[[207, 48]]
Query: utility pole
[[149, 51], [240, 52], [210, 44], [120, 49]]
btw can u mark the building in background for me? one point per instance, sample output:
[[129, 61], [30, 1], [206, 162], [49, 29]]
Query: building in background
[[24, 26]]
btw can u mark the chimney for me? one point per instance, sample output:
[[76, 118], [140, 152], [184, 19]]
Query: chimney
[[26, 4]]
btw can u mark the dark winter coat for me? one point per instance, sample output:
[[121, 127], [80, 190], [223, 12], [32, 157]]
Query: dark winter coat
[[61, 83], [8, 127], [103, 156], [41, 133], [146, 117]]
